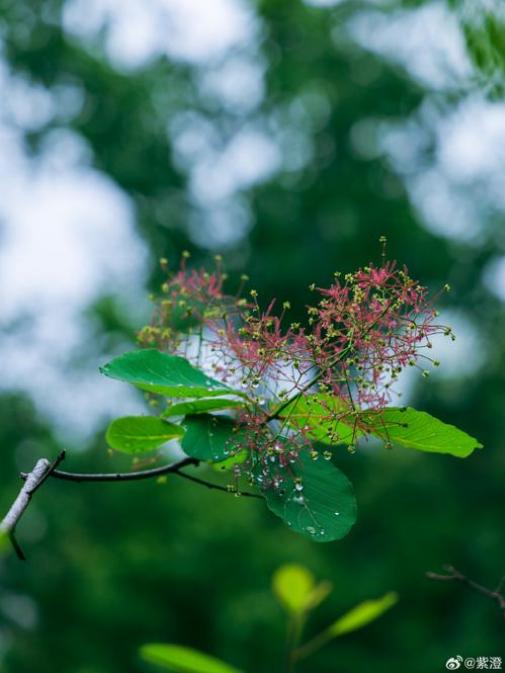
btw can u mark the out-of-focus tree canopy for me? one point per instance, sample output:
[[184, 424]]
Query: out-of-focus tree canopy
[[289, 141]]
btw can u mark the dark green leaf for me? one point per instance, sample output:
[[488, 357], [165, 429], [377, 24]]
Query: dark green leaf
[[418, 430], [183, 659], [213, 438], [136, 434], [168, 375], [200, 407], [324, 509]]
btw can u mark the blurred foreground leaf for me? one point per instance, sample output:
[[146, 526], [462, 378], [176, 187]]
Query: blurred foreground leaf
[[183, 659], [296, 589], [363, 614]]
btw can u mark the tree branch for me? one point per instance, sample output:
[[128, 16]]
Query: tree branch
[[174, 468], [454, 574], [44, 469], [33, 480]]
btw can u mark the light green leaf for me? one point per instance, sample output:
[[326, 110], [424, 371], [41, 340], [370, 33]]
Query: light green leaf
[[324, 509], [292, 584], [4, 542], [200, 407], [327, 418], [136, 434], [418, 430], [295, 587], [228, 464], [180, 659], [362, 614], [168, 375], [207, 437]]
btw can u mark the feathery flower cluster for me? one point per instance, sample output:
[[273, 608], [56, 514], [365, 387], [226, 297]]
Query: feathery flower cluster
[[363, 331]]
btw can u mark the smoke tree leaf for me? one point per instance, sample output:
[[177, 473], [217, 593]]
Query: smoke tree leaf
[[200, 406], [325, 418], [180, 659], [212, 438], [136, 434], [324, 509], [418, 430], [237, 458], [168, 375]]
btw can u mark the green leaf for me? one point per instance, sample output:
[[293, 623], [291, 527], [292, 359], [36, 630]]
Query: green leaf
[[293, 584], [328, 418], [213, 438], [296, 589], [228, 464], [136, 434], [362, 614], [325, 508], [200, 407], [418, 430], [168, 375], [4, 542], [180, 659]]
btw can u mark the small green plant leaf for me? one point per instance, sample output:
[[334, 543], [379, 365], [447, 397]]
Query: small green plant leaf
[[180, 659], [418, 430], [296, 590], [136, 434], [363, 614], [200, 407], [4, 542], [329, 419], [212, 438], [293, 584], [168, 375], [323, 509]]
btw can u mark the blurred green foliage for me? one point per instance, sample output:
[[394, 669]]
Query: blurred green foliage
[[295, 587], [113, 566]]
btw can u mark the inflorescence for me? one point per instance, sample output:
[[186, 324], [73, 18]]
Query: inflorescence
[[360, 334]]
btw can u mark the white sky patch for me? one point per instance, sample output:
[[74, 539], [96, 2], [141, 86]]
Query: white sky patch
[[323, 3], [237, 83], [472, 141], [140, 30], [67, 237], [461, 358], [494, 277], [218, 172], [248, 158], [426, 41], [466, 178]]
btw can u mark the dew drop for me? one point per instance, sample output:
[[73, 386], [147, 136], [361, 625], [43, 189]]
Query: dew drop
[[311, 530], [298, 487]]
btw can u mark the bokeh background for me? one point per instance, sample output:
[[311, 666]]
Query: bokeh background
[[287, 136]]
